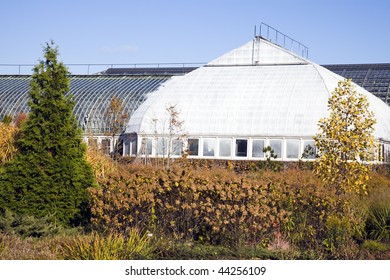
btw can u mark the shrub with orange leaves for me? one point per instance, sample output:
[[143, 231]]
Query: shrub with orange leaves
[[217, 206]]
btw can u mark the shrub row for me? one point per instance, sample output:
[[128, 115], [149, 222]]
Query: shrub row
[[218, 206]]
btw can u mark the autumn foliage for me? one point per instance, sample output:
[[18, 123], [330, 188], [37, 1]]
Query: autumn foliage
[[217, 206], [10, 132], [8, 148], [346, 141]]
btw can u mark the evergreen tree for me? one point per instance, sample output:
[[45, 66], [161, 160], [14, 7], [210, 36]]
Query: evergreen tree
[[50, 173]]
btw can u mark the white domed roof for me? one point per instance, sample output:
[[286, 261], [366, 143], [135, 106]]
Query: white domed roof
[[259, 89]]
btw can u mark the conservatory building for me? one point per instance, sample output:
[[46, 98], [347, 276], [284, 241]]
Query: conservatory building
[[252, 97]]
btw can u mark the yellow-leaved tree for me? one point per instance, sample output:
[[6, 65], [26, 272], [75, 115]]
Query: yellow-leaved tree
[[345, 141]]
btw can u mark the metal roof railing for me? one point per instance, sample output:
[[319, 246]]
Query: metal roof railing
[[282, 40], [93, 68]]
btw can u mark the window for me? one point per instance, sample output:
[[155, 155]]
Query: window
[[208, 147], [225, 147], [133, 147], [384, 152], [193, 147], [309, 149], [127, 148], [105, 146], [146, 146], [257, 148], [149, 145], [177, 147], [292, 150], [162, 146], [241, 147], [386, 149], [276, 145]]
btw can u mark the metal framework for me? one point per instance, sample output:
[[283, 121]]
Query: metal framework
[[275, 36], [92, 95], [375, 78]]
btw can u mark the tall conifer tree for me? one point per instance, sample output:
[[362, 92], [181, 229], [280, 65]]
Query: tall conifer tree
[[50, 174]]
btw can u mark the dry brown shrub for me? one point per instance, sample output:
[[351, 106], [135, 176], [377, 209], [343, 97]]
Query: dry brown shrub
[[8, 147], [214, 205], [102, 164], [13, 247]]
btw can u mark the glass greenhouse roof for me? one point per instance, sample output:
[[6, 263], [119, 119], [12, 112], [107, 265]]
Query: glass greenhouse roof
[[92, 94], [256, 90], [225, 78], [373, 77]]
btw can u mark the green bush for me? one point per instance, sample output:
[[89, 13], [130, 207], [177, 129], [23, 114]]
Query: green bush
[[378, 223], [28, 226]]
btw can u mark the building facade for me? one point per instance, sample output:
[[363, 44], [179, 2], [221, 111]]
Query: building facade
[[255, 96]]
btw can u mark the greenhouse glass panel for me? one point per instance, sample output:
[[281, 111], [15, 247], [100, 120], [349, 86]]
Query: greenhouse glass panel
[[309, 149], [208, 147], [149, 146], [162, 146], [133, 147], [276, 145], [257, 148], [241, 147], [193, 147], [292, 150], [387, 153], [225, 147], [177, 147], [127, 149]]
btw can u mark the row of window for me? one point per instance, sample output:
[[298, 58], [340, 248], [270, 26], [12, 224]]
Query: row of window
[[213, 147], [239, 148], [251, 148]]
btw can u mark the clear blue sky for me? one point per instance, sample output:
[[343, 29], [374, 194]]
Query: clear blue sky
[[146, 31]]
